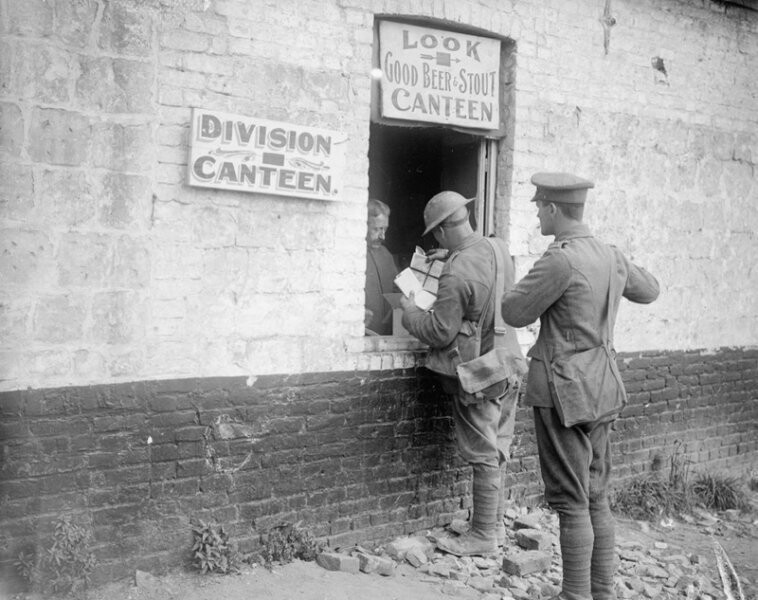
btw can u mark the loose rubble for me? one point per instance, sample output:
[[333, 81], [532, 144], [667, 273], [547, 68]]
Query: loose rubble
[[528, 566]]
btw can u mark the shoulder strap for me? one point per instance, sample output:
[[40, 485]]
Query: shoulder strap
[[496, 293], [610, 315], [499, 287]]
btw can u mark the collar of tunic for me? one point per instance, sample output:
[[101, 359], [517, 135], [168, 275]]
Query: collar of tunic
[[576, 231]]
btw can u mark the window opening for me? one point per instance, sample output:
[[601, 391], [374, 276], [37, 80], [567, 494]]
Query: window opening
[[417, 149], [407, 166]]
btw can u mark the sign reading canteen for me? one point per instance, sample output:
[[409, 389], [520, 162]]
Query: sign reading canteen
[[246, 154], [439, 76]]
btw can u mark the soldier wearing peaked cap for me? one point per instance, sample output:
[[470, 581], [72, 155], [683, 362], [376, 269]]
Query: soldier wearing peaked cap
[[466, 297], [573, 383]]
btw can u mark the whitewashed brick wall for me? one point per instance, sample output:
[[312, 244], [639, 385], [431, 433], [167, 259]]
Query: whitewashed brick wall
[[114, 270]]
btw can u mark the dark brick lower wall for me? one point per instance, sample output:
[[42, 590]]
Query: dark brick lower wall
[[353, 456]]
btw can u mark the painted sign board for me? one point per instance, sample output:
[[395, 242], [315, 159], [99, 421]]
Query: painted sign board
[[247, 154], [439, 76]]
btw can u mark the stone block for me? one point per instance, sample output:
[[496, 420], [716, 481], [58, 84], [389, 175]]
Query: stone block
[[126, 201], [25, 256], [40, 73], [484, 564], [533, 539], [126, 364], [131, 263], [48, 364], [13, 321], [88, 365], [370, 563], [115, 85], [33, 18], [127, 28], [334, 561], [16, 190], [11, 129], [170, 96], [416, 556], [191, 41], [74, 22], [527, 522], [64, 197], [7, 61], [481, 584], [122, 147], [83, 259], [386, 566], [59, 137], [524, 563], [115, 317], [59, 318], [399, 547], [226, 269], [440, 570], [204, 63]]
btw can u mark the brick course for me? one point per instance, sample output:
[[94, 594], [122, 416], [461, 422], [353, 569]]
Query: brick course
[[356, 456]]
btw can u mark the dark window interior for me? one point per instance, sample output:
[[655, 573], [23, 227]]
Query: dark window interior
[[407, 166]]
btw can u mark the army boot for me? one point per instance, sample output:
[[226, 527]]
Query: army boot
[[481, 539]]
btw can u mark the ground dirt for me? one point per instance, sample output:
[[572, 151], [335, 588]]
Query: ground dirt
[[692, 538]]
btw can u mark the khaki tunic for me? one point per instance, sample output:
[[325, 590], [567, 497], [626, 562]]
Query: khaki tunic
[[464, 289], [484, 429], [567, 290]]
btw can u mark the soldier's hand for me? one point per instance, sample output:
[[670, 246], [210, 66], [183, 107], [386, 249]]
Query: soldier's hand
[[408, 302], [437, 254]]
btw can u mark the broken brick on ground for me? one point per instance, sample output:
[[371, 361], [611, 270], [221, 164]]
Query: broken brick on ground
[[528, 566]]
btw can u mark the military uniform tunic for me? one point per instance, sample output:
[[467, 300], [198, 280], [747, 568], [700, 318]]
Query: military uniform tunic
[[484, 430], [567, 289]]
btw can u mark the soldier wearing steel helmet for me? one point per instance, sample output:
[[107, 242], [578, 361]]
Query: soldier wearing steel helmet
[[574, 289], [483, 427]]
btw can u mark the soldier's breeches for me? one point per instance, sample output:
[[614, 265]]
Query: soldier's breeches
[[484, 430], [576, 464]]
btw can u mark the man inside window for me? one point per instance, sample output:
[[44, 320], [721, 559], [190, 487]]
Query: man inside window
[[380, 270]]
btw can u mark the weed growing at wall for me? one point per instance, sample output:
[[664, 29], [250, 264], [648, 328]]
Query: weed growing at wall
[[719, 492], [212, 552], [286, 542], [65, 566], [651, 496], [25, 565]]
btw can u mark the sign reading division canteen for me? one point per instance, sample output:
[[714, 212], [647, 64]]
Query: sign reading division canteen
[[439, 76], [247, 154]]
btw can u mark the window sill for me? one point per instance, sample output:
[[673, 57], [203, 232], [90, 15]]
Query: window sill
[[390, 343], [381, 353]]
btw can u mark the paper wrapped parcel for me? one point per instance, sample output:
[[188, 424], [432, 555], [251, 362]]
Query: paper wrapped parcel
[[407, 281]]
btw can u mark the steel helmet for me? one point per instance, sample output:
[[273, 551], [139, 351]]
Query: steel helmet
[[441, 206]]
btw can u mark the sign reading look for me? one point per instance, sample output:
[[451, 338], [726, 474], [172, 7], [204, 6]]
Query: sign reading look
[[439, 76], [246, 154]]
